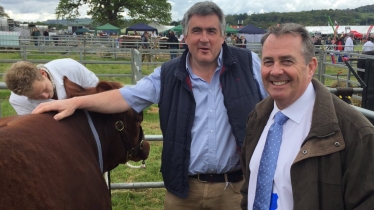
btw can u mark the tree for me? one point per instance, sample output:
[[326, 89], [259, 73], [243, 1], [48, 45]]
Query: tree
[[2, 12], [104, 11], [175, 23]]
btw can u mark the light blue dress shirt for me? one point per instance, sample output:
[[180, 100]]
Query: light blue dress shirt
[[213, 146]]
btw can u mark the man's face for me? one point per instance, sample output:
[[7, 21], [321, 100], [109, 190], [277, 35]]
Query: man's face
[[284, 72], [42, 89], [204, 39]]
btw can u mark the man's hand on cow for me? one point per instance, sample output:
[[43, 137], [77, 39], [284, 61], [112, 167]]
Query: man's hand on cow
[[65, 108]]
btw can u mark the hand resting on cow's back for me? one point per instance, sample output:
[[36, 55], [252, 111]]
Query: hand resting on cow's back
[[49, 164]]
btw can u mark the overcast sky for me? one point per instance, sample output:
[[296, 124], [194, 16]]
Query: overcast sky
[[41, 10]]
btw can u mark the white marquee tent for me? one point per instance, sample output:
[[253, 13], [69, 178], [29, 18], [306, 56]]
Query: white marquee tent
[[340, 29], [160, 27]]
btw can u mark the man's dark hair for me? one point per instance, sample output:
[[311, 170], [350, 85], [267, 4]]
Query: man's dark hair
[[204, 8], [297, 30]]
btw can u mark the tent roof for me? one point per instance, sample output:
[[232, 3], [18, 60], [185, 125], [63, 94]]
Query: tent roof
[[340, 29], [231, 30], [140, 27], [160, 27], [251, 29], [107, 26], [177, 29]]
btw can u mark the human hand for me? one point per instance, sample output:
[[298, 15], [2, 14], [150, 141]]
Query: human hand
[[64, 107]]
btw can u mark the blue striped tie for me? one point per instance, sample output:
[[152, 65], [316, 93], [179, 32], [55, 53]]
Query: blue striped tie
[[268, 163]]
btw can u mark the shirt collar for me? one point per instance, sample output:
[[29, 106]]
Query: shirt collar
[[297, 110]]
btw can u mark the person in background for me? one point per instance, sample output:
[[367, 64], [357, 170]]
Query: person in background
[[228, 38], [339, 46], [242, 42], [173, 45], [32, 85], [328, 43], [145, 46], [204, 98], [368, 46], [168, 34], [323, 159], [46, 35], [35, 35], [318, 41], [367, 49], [234, 40], [348, 46], [154, 35]]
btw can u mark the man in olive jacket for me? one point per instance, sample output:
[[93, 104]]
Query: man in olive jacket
[[326, 158]]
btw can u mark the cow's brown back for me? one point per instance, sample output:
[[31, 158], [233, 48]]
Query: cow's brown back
[[43, 167], [48, 164]]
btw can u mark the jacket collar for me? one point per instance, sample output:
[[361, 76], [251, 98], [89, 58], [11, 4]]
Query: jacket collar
[[324, 120]]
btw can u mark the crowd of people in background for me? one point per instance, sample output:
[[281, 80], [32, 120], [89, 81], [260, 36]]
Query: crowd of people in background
[[345, 42], [35, 34], [237, 41]]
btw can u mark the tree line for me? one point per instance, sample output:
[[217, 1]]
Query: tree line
[[111, 11], [360, 16]]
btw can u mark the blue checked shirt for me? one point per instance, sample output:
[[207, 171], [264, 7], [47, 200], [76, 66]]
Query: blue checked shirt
[[213, 147]]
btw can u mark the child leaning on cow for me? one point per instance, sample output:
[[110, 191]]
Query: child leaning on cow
[[32, 85]]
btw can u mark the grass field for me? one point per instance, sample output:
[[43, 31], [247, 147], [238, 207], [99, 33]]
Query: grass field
[[138, 198], [121, 199]]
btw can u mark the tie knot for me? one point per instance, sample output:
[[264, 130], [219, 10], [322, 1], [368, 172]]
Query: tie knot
[[280, 118]]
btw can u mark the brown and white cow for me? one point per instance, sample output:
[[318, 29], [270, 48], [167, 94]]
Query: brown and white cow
[[49, 164]]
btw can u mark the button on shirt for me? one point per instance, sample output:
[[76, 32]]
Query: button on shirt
[[213, 146], [295, 131]]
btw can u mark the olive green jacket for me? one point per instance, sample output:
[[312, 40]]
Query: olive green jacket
[[334, 168]]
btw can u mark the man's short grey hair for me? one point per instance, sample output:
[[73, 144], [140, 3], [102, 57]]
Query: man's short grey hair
[[204, 8], [308, 49]]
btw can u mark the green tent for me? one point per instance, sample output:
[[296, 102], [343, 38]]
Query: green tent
[[108, 28], [230, 30], [177, 29]]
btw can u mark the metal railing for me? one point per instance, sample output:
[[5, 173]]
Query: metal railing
[[136, 69]]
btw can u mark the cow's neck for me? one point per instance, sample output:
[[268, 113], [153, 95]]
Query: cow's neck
[[97, 141], [113, 150]]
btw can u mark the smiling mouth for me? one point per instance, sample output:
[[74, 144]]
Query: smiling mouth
[[277, 83]]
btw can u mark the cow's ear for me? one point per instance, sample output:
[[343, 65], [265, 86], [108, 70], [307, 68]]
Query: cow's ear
[[72, 89], [105, 86]]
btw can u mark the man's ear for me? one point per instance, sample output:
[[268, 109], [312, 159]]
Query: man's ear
[[42, 72]]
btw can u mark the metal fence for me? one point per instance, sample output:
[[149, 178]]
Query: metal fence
[[93, 46]]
